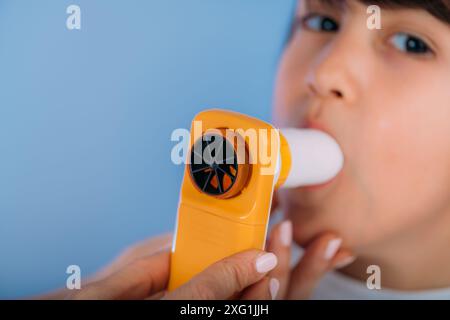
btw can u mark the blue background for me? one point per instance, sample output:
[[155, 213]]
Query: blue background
[[86, 118]]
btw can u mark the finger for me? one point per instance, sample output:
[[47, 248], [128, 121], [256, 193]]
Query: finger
[[342, 259], [142, 249], [280, 244], [266, 289], [227, 277], [138, 280], [316, 261], [276, 283], [152, 245], [157, 296]]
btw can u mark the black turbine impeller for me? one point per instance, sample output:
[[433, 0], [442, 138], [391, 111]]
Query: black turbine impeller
[[213, 166]]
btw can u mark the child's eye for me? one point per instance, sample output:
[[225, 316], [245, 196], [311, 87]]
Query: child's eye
[[316, 22], [410, 44]]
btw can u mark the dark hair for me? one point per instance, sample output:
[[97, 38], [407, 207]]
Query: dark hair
[[438, 8]]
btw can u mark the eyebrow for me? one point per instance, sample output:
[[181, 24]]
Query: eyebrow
[[331, 4], [439, 9]]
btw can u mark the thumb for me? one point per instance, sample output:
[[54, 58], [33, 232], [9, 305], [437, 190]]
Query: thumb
[[138, 280], [227, 277]]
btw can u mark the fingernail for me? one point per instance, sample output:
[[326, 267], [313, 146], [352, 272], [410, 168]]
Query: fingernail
[[347, 261], [266, 262], [286, 233], [274, 286], [332, 248]]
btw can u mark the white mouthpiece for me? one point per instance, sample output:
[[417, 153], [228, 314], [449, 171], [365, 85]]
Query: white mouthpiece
[[316, 157]]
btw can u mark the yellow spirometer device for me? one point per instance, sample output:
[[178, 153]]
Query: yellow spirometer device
[[234, 164]]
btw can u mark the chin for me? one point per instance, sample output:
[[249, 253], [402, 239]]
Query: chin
[[330, 207], [310, 219]]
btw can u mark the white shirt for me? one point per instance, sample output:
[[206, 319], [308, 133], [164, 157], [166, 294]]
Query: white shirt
[[336, 286]]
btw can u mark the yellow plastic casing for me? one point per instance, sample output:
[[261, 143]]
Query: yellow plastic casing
[[209, 228]]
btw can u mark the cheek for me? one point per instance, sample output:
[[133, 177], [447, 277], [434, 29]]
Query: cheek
[[404, 157], [291, 94], [287, 94]]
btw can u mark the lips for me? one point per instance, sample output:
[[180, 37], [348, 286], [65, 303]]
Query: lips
[[318, 126], [323, 185]]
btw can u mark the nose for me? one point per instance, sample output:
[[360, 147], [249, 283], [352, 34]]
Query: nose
[[332, 77]]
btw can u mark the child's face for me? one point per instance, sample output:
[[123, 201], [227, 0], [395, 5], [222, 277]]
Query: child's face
[[385, 97]]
